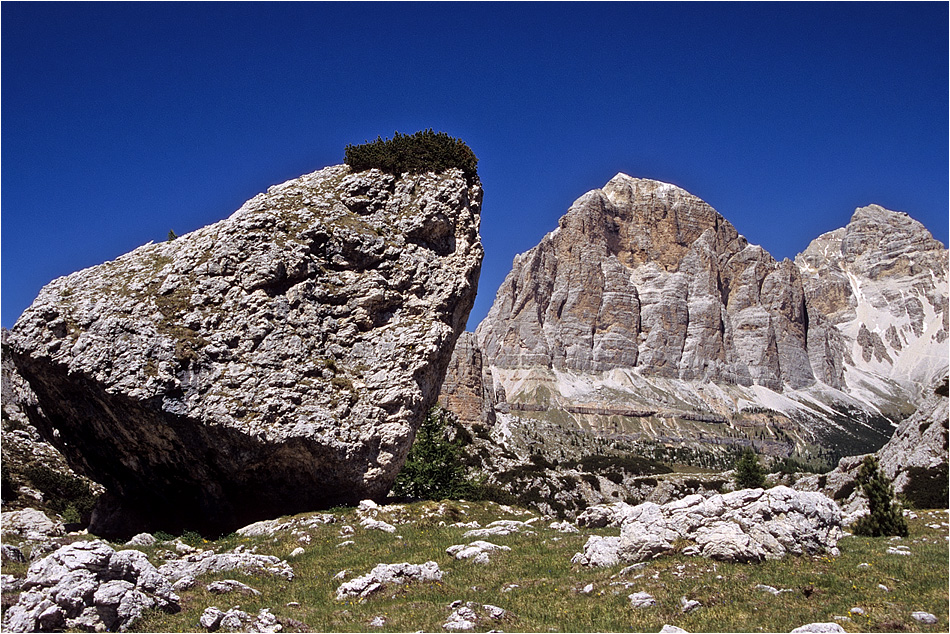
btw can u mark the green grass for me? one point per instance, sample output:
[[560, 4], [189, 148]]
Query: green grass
[[548, 594]]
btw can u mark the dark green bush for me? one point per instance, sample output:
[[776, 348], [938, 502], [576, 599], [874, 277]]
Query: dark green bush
[[927, 488], [62, 491], [886, 516], [434, 469], [425, 151], [749, 473]]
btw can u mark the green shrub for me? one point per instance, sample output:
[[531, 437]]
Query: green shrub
[[434, 468], [886, 516], [425, 151], [749, 473], [62, 491], [927, 488]]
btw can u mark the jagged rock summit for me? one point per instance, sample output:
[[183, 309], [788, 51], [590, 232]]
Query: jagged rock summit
[[276, 361], [882, 281], [647, 318]]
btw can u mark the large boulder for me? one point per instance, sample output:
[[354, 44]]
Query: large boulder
[[277, 361]]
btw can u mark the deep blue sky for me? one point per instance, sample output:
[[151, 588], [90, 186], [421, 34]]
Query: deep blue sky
[[122, 121]]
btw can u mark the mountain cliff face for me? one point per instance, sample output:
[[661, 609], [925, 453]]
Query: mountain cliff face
[[277, 361], [647, 317]]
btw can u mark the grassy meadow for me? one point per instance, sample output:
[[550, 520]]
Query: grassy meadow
[[543, 592]]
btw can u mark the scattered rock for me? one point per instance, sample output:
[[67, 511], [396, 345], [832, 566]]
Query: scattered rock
[[465, 617], [501, 528], [203, 563], [378, 621], [898, 550], [384, 574], [31, 524], [142, 539], [642, 600], [924, 617], [230, 585], [477, 550], [564, 527], [462, 619], [599, 551], [688, 605], [377, 525], [672, 629], [9, 583], [12, 553], [819, 628], [88, 585], [296, 552], [185, 583]]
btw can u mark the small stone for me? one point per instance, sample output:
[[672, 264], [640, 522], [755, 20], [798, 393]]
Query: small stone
[[296, 552], [819, 628], [881, 586], [688, 605], [642, 600], [766, 588], [924, 617], [231, 585], [142, 539], [494, 611], [588, 589], [378, 621], [185, 583], [211, 618], [858, 611], [672, 629], [292, 604]]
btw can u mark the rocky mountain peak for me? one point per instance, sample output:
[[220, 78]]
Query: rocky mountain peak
[[882, 280]]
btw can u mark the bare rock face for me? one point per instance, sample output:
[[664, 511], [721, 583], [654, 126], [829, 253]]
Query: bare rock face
[[882, 281], [642, 274], [467, 389], [277, 361]]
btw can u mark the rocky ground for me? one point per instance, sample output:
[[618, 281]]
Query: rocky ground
[[460, 566]]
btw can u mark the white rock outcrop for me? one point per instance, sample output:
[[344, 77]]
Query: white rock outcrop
[[747, 525], [89, 586], [384, 574]]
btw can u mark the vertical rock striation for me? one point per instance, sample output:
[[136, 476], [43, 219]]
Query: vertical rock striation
[[642, 274], [276, 361]]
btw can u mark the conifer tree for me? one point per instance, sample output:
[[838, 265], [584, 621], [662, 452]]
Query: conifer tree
[[886, 517], [749, 473], [434, 468]]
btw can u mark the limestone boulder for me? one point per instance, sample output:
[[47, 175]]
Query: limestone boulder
[[89, 586], [744, 526], [277, 361]]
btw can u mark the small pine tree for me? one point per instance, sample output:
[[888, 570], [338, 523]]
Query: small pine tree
[[749, 473], [434, 468], [171, 235], [886, 517]]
